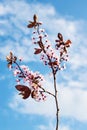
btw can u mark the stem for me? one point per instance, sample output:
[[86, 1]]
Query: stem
[[47, 91], [20, 69], [56, 101]]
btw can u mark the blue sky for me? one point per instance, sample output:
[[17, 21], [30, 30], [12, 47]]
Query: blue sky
[[67, 17]]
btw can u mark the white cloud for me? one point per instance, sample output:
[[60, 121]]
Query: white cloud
[[64, 128], [73, 103], [2, 77], [4, 9], [50, 126]]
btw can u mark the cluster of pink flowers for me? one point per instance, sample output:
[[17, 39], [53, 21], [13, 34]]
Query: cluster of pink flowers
[[27, 75], [62, 47], [47, 54], [44, 48], [33, 79]]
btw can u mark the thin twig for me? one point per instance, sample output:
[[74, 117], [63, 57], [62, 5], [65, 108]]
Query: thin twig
[[39, 85], [47, 91], [20, 69]]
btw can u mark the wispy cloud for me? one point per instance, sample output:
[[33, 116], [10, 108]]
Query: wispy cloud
[[2, 77], [50, 126], [4, 9], [73, 103]]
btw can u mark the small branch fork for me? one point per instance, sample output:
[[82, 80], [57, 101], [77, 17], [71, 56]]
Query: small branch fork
[[43, 90], [46, 91], [56, 101]]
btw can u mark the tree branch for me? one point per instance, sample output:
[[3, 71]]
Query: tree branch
[[39, 85], [56, 101], [47, 91]]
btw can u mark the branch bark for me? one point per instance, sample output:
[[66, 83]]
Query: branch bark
[[56, 101]]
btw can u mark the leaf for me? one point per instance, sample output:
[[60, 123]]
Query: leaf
[[41, 43], [24, 91], [57, 40], [59, 44], [31, 25], [65, 50], [60, 36], [9, 64], [19, 87], [53, 63], [35, 18], [34, 23], [9, 57], [33, 94], [67, 43], [14, 58], [37, 51]]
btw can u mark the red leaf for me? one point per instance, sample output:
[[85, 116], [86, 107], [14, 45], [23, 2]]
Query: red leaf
[[57, 40], [37, 51], [25, 91], [67, 43], [60, 36], [34, 94], [31, 25], [35, 18], [9, 64], [53, 63], [20, 87]]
